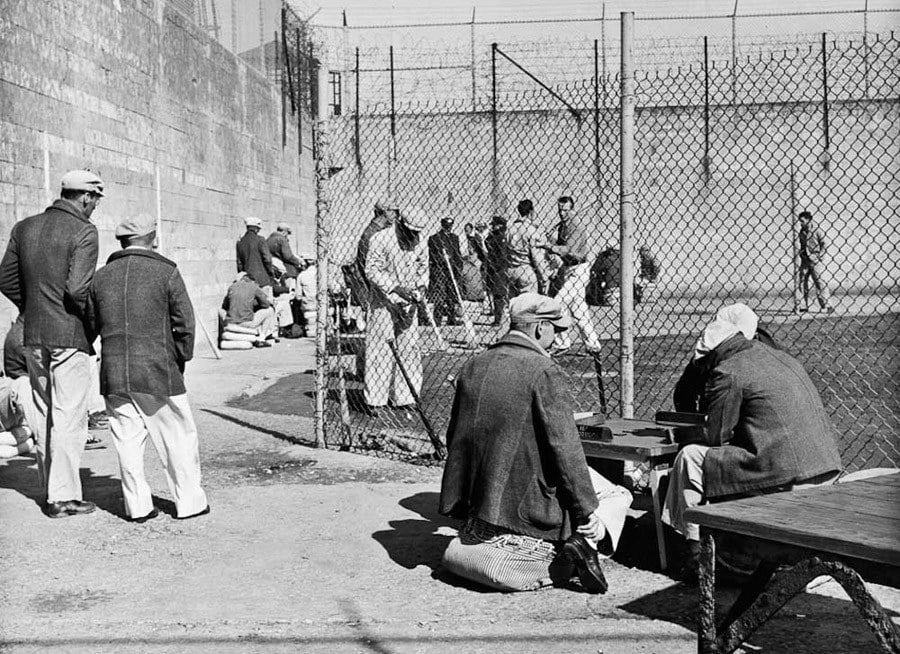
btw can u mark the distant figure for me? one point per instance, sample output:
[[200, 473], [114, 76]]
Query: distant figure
[[253, 256], [496, 264], [443, 279], [812, 252], [247, 305], [525, 264], [397, 270], [573, 245], [47, 272], [532, 512], [767, 429], [146, 344], [280, 247]]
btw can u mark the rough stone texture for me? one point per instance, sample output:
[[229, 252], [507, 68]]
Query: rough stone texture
[[133, 90]]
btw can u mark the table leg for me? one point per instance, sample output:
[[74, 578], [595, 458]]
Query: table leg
[[656, 501], [706, 629]]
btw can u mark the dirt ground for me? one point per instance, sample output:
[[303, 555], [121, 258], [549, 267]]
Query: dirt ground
[[320, 551]]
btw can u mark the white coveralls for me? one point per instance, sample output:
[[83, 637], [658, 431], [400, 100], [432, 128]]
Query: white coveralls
[[387, 267]]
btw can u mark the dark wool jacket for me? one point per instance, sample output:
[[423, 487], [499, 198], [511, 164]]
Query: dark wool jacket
[[514, 456], [279, 246], [47, 271], [767, 424], [254, 258], [140, 308]]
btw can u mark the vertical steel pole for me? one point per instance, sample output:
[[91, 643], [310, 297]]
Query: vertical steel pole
[[734, 54], [283, 100], [825, 127], [262, 39], [356, 145], [323, 243], [472, 53], [299, 101], [597, 117], [865, 46], [706, 109], [393, 115], [603, 51], [494, 177], [626, 217], [794, 280]]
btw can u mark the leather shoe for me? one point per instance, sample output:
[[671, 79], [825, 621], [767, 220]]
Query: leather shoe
[[195, 515], [70, 507], [144, 518], [579, 552]]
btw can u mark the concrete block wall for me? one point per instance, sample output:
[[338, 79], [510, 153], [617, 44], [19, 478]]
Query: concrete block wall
[[725, 229], [174, 123]]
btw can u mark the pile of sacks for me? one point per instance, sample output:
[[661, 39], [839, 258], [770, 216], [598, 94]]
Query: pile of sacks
[[235, 337]]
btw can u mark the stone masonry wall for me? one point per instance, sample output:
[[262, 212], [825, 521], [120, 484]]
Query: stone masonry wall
[[172, 121]]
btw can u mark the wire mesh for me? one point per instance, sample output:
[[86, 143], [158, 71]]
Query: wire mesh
[[728, 154]]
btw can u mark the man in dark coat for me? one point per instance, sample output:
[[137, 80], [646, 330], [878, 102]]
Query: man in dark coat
[[253, 256], [444, 247], [767, 428], [140, 308], [385, 214], [46, 272], [280, 246], [495, 265], [516, 472]]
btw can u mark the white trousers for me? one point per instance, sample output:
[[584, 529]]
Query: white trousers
[[60, 389], [383, 379], [170, 425], [263, 321], [571, 296]]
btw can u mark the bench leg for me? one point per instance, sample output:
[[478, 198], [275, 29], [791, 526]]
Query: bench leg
[[706, 632], [656, 501]]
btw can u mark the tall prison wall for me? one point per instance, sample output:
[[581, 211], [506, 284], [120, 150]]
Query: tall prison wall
[[169, 118], [723, 228]]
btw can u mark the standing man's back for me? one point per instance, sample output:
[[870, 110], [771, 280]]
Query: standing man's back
[[47, 272], [253, 256]]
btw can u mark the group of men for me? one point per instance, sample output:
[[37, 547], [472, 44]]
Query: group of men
[[139, 307], [261, 299]]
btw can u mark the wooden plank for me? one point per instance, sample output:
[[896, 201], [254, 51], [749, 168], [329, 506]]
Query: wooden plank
[[629, 448], [879, 509], [773, 517]]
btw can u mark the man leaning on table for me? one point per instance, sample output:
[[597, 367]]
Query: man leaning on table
[[767, 429]]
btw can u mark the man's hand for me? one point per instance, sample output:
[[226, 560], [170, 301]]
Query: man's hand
[[407, 294], [593, 530]]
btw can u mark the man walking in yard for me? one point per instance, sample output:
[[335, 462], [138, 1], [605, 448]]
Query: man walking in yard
[[140, 308], [525, 268], [811, 248], [46, 272]]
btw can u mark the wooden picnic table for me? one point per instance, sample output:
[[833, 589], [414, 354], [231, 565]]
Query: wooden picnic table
[[639, 441], [849, 531]]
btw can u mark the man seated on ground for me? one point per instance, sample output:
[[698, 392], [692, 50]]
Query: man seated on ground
[[534, 513], [15, 435], [767, 429], [247, 305]]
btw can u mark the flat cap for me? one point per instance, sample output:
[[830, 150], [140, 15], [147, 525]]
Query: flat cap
[[252, 221], [284, 227], [82, 180], [414, 218], [139, 225], [447, 221], [534, 307]]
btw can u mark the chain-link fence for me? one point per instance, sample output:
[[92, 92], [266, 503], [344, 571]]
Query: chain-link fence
[[728, 154]]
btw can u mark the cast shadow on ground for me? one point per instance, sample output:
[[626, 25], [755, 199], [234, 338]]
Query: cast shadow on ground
[[263, 430], [807, 624], [20, 474]]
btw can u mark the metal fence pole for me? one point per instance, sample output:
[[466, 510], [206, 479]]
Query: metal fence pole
[[494, 179], [299, 101], [323, 243], [825, 128], [794, 280], [865, 46], [734, 54], [280, 65], [626, 218], [597, 117], [472, 52], [356, 145], [603, 52], [706, 109]]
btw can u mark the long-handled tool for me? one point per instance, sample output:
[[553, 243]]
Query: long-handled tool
[[467, 324], [441, 343], [440, 452], [598, 370]]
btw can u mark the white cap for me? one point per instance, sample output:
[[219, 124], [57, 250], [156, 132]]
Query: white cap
[[252, 221], [82, 180]]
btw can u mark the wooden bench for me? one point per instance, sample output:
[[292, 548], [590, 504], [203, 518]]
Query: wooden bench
[[848, 531]]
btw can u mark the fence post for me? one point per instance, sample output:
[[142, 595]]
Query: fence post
[[734, 54], [826, 156], [323, 243], [283, 101], [472, 52], [262, 39], [865, 45], [356, 145], [603, 51], [794, 280], [494, 178], [706, 110], [299, 102], [597, 118], [626, 218]]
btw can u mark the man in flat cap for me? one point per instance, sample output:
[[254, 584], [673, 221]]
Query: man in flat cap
[[253, 256], [397, 270], [444, 268], [385, 214], [280, 247], [533, 512], [47, 272], [140, 308]]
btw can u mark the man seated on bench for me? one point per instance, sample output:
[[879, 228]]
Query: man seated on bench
[[246, 307], [767, 429], [533, 512]]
